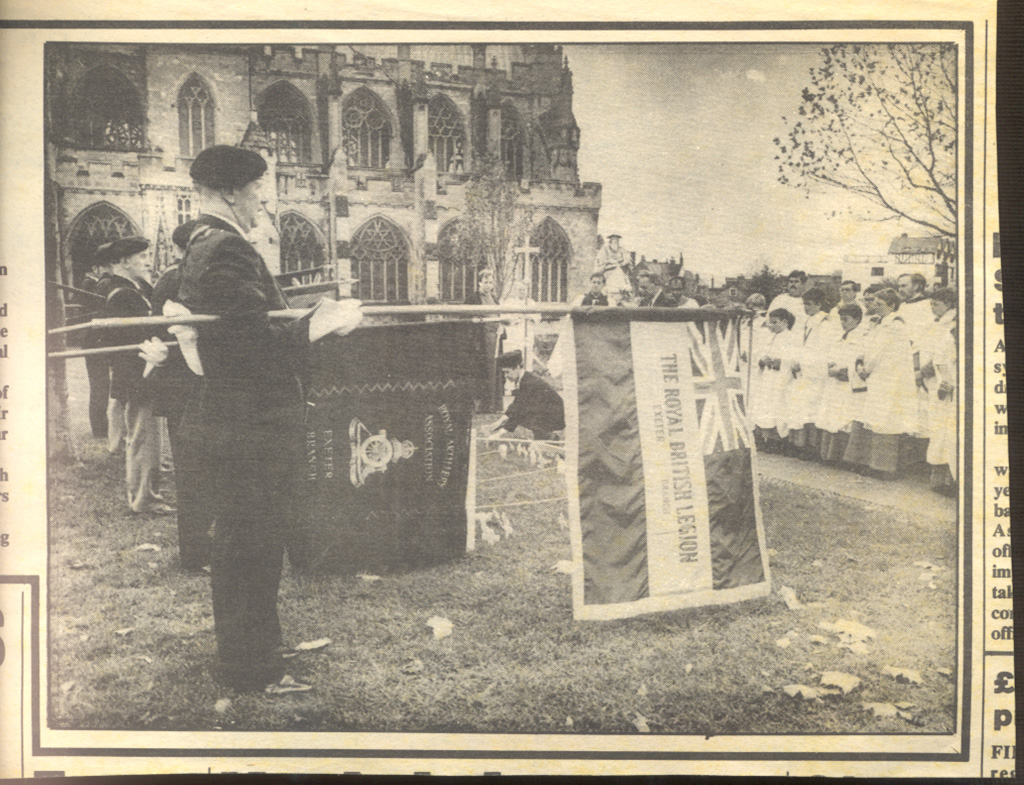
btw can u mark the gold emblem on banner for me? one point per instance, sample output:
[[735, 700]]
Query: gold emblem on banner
[[373, 453]]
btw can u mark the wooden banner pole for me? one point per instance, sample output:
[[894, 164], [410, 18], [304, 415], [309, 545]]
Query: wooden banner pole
[[100, 350], [552, 311]]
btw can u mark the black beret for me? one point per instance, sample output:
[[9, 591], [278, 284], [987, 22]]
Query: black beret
[[510, 359], [108, 253], [223, 166], [183, 234]]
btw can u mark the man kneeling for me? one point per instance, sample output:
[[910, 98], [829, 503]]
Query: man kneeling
[[536, 405]]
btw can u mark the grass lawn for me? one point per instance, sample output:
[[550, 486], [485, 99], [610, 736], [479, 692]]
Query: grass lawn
[[131, 637]]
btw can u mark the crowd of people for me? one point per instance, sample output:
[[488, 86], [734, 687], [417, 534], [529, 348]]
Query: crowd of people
[[870, 384]]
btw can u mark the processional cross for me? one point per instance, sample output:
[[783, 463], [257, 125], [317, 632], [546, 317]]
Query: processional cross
[[527, 251]]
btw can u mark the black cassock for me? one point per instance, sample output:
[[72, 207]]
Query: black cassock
[[536, 406]]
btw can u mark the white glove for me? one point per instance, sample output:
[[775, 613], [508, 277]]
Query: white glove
[[187, 335], [155, 353], [334, 316]]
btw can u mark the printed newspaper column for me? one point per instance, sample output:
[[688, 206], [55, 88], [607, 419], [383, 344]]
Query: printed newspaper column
[[999, 750], [664, 512]]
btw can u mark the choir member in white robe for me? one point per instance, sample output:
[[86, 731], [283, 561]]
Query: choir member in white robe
[[916, 312], [770, 394], [878, 439], [843, 389], [753, 337], [793, 298], [939, 369], [810, 370]]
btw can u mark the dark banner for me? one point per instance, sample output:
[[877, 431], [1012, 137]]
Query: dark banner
[[387, 448]]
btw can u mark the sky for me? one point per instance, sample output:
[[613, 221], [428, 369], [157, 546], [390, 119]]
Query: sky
[[680, 137]]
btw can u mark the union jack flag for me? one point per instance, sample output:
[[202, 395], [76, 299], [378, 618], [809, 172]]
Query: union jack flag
[[719, 384]]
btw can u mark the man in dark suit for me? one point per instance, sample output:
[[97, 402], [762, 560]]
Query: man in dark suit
[[249, 414], [98, 281], [536, 406], [175, 390]]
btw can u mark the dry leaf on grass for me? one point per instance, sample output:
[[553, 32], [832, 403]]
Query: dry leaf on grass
[[856, 647], [806, 692], [368, 578], [846, 682], [78, 566], [688, 668], [640, 722], [789, 597], [821, 640], [319, 643], [888, 711], [412, 666], [818, 563], [441, 626], [849, 629], [222, 706], [66, 687], [903, 675], [144, 658], [568, 722], [642, 692], [147, 546], [121, 633], [783, 643]]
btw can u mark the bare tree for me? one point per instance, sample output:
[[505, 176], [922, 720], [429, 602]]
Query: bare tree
[[879, 121], [493, 222]]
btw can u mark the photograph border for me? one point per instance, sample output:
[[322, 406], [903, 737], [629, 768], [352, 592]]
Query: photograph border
[[965, 508]]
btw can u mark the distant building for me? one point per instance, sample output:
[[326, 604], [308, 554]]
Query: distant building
[[370, 148], [933, 257]]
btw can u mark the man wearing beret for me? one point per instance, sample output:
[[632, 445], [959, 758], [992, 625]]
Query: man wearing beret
[[536, 406], [249, 414], [128, 296]]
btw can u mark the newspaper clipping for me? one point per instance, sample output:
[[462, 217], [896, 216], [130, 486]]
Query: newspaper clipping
[[569, 395]]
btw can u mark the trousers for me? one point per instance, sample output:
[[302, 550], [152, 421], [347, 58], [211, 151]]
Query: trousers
[[141, 452], [194, 495]]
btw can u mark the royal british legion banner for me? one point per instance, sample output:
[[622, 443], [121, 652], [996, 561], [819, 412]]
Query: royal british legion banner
[[664, 514]]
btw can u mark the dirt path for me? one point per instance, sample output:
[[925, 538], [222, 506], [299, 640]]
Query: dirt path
[[910, 494]]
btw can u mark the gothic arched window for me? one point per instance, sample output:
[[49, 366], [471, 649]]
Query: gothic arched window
[[511, 142], [457, 271], [109, 112], [446, 134], [366, 131], [549, 272], [380, 260], [301, 248], [99, 224], [195, 116], [284, 114]]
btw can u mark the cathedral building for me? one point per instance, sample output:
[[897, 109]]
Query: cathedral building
[[373, 150]]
